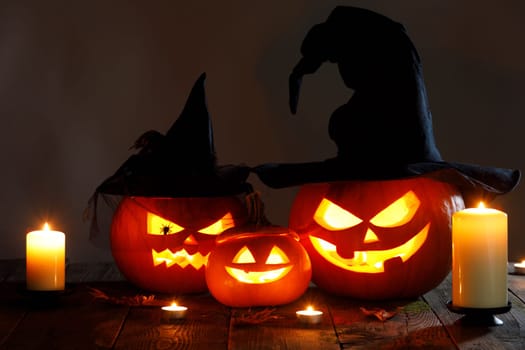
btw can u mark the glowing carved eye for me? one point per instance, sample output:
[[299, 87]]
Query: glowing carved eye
[[334, 218], [219, 226], [277, 256], [244, 256], [399, 212], [157, 225]]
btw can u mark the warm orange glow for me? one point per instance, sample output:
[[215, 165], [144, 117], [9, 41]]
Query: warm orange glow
[[190, 240], [399, 212], [520, 264], [334, 218], [309, 311], [370, 261], [157, 225], [277, 256], [245, 256], [309, 315], [180, 258], [481, 205], [370, 237], [174, 311], [219, 226], [45, 259], [258, 277]]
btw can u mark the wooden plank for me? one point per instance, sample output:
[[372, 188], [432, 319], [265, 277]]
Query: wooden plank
[[205, 327], [414, 325], [12, 312], [283, 330], [78, 321], [479, 337], [425, 330], [517, 285], [73, 320]]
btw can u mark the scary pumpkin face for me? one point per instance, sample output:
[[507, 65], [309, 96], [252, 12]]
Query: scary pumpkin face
[[265, 267], [163, 244], [377, 239]]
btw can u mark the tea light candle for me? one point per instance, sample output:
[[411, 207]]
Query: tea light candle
[[173, 312], [45, 260], [479, 258], [309, 315], [519, 268]]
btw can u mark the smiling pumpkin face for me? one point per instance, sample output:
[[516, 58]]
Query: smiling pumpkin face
[[377, 239], [246, 269], [264, 267], [163, 244]]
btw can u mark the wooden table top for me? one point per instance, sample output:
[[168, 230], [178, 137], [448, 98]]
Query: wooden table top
[[83, 319]]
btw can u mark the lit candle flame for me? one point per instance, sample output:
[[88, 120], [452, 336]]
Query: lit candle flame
[[309, 315], [481, 205], [173, 304], [46, 227]]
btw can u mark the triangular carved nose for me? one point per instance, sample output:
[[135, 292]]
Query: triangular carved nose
[[370, 237], [190, 240]]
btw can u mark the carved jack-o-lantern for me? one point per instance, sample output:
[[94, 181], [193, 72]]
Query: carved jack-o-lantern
[[377, 239], [265, 267], [163, 244]]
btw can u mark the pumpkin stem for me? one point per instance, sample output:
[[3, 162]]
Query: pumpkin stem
[[256, 214]]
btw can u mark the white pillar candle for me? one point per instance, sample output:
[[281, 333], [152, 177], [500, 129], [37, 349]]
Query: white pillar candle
[[45, 260], [479, 258]]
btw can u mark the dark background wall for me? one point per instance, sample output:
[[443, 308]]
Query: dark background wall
[[81, 80]]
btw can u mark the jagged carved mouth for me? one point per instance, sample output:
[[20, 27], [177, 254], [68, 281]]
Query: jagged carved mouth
[[258, 277], [180, 258], [371, 261]]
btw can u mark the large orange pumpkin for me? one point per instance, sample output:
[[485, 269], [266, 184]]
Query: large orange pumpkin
[[258, 266], [377, 239], [162, 244]]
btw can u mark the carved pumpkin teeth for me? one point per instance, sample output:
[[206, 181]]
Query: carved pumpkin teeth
[[180, 258], [258, 277], [371, 261]]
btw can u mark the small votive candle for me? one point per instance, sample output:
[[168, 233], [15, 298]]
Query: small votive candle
[[309, 315], [519, 268], [45, 260], [173, 312]]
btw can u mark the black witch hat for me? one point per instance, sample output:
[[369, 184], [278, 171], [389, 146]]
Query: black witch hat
[[181, 163], [385, 130]]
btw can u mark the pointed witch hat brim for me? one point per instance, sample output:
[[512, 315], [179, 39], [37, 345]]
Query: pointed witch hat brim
[[474, 182], [181, 163], [384, 132]]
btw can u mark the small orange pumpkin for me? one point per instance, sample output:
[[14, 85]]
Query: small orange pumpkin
[[258, 267], [258, 264], [377, 239]]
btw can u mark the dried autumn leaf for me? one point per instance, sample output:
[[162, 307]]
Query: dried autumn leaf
[[380, 314], [137, 300]]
